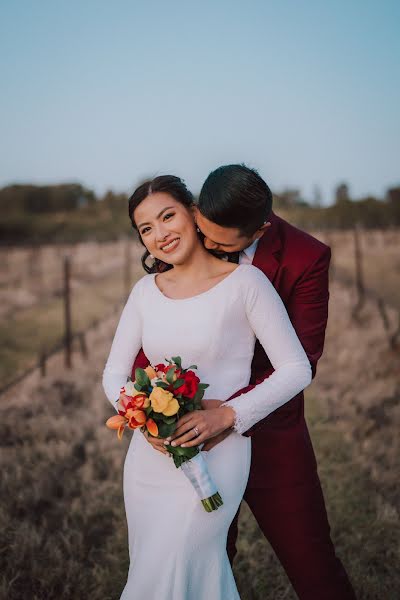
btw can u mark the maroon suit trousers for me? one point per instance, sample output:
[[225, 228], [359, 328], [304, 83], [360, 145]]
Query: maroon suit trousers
[[298, 531]]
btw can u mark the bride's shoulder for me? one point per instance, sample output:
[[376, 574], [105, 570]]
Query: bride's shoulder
[[253, 280], [250, 273], [142, 284]]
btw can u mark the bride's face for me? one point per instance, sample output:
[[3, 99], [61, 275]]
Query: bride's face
[[166, 227]]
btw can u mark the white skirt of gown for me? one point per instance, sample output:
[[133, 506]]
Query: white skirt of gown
[[177, 550]]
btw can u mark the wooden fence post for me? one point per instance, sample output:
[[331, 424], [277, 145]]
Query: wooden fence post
[[82, 344], [67, 312], [391, 337], [329, 241], [359, 274], [42, 363]]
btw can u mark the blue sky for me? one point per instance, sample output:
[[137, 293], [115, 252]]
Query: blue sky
[[107, 93]]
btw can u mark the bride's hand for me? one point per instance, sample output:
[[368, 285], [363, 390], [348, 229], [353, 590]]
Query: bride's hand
[[198, 426], [157, 443]]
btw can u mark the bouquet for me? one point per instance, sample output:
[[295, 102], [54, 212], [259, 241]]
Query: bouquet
[[155, 402]]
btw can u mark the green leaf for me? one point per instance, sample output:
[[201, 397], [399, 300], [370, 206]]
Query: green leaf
[[198, 396], [166, 429], [170, 376], [159, 417], [162, 385], [178, 383], [181, 455], [203, 386], [141, 377], [178, 361], [137, 387], [169, 420], [191, 367]]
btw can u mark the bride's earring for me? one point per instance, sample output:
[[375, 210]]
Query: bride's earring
[[198, 230], [151, 256]]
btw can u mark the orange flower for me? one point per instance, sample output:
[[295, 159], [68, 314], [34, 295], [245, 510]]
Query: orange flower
[[117, 422], [136, 418], [140, 400], [152, 427]]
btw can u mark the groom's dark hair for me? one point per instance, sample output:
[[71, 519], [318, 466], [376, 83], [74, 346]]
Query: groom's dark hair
[[236, 196]]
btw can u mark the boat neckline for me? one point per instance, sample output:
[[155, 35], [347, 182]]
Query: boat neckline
[[211, 289]]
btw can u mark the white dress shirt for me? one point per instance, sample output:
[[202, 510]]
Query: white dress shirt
[[246, 256]]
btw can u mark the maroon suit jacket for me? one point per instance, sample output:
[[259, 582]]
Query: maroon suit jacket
[[297, 265]]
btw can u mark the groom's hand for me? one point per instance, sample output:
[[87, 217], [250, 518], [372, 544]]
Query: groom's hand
[[217, 439], [198, 426], [214, 441]]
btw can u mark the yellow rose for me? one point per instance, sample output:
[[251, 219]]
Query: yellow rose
[[151, 374], [160, 399], [172, 408], [164, 402]]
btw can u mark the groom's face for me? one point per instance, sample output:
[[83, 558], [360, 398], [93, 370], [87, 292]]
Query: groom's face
[[223, 239]]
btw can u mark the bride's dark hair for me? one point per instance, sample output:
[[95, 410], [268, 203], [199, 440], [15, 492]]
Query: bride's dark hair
[[169, 184]]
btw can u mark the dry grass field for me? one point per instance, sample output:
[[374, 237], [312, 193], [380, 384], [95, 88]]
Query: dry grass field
[[380, 259], [62, 522], [32, 296]]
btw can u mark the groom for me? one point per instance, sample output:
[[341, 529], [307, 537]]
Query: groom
[[283, 492]]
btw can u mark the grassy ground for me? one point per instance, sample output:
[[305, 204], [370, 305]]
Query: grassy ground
[[62, 519], [365, 535]]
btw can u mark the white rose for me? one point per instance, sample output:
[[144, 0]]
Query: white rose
[[130, 389]]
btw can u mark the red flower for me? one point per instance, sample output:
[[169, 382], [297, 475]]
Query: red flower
[[191, 385]]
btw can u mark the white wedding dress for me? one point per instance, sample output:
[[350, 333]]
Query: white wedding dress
[[178, 550]]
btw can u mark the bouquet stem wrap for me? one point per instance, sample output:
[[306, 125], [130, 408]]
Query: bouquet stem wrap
[[196, 471]]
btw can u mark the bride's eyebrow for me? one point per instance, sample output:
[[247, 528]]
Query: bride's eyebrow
[[157, 217]]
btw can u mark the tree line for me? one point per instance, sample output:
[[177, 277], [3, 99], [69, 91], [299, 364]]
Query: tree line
[[71, 212]]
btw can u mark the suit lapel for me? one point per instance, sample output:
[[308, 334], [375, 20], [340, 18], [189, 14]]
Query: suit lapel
[[268, 250]]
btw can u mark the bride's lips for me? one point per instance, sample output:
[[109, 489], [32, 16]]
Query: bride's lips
[[170, 246]]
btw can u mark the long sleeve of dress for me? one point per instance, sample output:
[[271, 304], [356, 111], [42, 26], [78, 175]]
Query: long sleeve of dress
[[270, 322], [125, 346]]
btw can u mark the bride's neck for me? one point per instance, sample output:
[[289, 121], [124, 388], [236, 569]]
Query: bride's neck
[[199, 264]]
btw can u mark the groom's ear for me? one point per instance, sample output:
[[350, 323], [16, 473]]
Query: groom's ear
[[260, 232]]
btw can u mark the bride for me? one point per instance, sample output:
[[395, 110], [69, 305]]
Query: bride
[[209, 312]]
